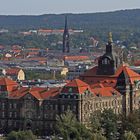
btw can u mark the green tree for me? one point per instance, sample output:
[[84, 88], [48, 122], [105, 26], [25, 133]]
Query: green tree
[[105, 123], [96, 122], [20, 135], [98, 136], [70, 129], [109, 124], [129, 136], [132, 123]]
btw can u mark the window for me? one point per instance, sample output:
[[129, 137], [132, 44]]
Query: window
[[15, 105], [10, 114], [70, 89], [3, 105], [63, 107], [3, 114], [105, 61], [56, 107], [15, 114], [74, 108], [10, 106]]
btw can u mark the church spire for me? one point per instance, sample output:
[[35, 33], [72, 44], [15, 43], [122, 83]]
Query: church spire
[[66, 38], [109, 45], [110, 40], [66, 24]]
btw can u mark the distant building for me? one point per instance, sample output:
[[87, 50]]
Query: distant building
[[75, 72], [14, 73]]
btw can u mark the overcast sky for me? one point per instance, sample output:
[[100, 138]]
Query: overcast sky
[[37, 7]]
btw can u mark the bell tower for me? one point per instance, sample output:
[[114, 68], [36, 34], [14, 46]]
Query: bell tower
[[66, 47], [109, 62]]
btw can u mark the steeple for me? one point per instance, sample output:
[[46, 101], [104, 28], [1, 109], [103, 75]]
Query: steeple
[[109, 45], [66, 38], [109, 62], [110, 40], [66, 25]]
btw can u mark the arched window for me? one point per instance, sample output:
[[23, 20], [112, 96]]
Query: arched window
[[105, 61]]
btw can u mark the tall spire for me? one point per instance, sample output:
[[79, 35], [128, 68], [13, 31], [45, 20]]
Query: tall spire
[[109, 45], [66, 25], [110, 40], [66, 38]]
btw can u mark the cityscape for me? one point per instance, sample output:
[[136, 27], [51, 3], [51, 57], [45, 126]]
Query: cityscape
[[70, 74]]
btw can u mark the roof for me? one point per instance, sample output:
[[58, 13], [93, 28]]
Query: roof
[[12, 71], [75, 58], [91, 72], [10, 84], [132, 75], [7, 82], [77, 86], [38, 92], [103, 91]]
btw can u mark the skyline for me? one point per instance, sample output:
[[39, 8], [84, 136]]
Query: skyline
[[29, 7]]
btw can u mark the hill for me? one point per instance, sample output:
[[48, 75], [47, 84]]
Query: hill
[[123, 19]]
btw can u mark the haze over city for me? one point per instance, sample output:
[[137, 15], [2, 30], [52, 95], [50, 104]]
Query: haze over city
[[37, 7]]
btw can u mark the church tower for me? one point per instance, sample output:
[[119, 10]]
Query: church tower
[[109, 62], [66, 47]]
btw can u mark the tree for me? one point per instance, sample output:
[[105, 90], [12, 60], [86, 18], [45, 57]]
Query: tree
[[109, 124], [132, 123], [96, 122], [98, 136], [70, 129], [105, 123], [21, 135], [129, 136]]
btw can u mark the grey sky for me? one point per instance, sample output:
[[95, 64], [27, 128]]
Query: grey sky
[[18, 7]]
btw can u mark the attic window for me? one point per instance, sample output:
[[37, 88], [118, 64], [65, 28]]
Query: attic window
[[70, 89], [114, 93], [98, 95]]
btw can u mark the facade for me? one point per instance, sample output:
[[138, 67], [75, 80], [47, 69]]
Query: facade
[[36, 108]]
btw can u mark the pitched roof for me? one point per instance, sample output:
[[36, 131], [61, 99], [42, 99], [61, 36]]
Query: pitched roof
[[8, 83], [91, 72], [12, 71], [77, 86], [129, 73], [104, 91], [75, 58], [37, 92]]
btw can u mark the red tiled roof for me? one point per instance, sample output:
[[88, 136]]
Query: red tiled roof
[[130, 73], [137, 63], [91, 72], [37, 92], [10, 84], [7, 82], [12, 71], [75, 58], [104, 91], [77, 86]]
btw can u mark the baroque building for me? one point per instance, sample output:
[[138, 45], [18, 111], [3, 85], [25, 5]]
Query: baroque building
[[108, 85]]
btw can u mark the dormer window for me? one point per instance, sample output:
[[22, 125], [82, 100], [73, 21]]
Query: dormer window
[[70, 89], [105, 61]]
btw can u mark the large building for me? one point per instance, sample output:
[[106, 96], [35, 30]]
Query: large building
[[108, 85]]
